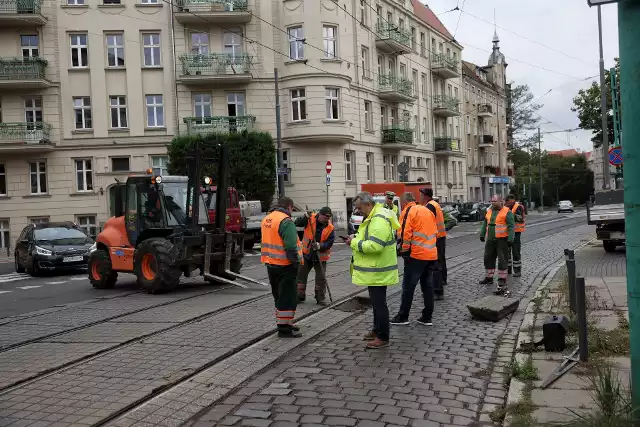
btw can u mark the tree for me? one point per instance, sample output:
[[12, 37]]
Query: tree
[[252, 158], [588, 106], [523, 114]]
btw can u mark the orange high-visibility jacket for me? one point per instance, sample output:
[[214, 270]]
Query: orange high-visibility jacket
[[273, 251], [520, 226], [420, 232], [309, 233], [442, 230], [501, 222]]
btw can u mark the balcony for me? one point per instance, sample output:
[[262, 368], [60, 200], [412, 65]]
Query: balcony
[[23, 73], [446, 106], [218, 124], [444, 67], [213, 11], [218, 68], [18, 13], [395, 89], [485, 111], [392, 40], [446, 146], [397, 137], [485, 141], [25, 136]]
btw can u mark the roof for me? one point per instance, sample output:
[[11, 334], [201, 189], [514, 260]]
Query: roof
[[587, 155], [565, 153], [469, 70], [422, 12]]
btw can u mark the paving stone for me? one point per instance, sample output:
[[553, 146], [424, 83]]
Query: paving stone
[[340, 421]]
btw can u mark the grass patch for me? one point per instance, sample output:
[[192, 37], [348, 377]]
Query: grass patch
[[524, 372]]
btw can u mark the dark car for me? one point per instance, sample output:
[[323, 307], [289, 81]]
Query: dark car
[[53, 246], [472, 211]]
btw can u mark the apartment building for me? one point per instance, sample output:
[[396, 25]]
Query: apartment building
[[366, 85], [86, 97], [486, 115]]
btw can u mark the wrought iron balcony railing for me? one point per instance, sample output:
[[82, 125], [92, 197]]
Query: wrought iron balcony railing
[[22, 68], [397, 134], [219, 124], [20, 6], [446, 143], [446, 102], [23, 131], [440, 60], [388, 82], [387, 31], [214, 5], [215, 64]]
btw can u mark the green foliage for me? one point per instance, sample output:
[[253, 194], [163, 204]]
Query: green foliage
[[524, 115], [252, 157], [588, 106], [524, 372]]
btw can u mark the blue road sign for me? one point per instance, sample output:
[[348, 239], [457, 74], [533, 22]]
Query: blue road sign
[[615, 156]]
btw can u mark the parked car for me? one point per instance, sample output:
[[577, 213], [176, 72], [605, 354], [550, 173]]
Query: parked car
[[52, 246], [472, 211], [565, 206], [451, 209]]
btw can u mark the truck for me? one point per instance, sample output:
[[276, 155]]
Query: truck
[[606, 212]]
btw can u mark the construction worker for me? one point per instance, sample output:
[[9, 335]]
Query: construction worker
[[440, 274], [282, 253], [497, 230], [375, 263], [417, 236], [388, 203], [515, 258], [317, 241]]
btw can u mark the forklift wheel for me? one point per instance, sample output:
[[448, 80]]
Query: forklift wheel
[[152, 266], [101, 275]]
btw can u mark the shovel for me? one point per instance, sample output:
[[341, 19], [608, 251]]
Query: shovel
[[317, 255]]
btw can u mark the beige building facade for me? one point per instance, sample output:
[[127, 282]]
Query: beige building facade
[[486, 113]]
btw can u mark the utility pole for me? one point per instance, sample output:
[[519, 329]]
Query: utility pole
[[629, 42], [541, 207], [278, 136], [530, 193], [603, 106]]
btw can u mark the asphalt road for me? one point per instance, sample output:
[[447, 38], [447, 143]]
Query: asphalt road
[[20, 293]]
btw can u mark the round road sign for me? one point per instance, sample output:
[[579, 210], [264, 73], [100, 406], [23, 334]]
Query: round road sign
[[328, 167], [615, 156]]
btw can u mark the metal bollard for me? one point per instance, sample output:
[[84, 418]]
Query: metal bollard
[[571, 273], [581, 306]]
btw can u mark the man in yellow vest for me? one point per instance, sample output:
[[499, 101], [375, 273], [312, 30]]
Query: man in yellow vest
[[317, 241], [498, 231], [417, 246], [388, 203], [375, 262], [281, 252], [440, 274], [515, 260]]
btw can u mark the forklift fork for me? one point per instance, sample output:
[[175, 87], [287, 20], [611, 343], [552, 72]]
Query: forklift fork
[[227, 265]]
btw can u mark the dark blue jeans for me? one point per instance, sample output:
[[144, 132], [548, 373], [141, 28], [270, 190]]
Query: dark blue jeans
[[440, 268], [417, 270], [378, 296]]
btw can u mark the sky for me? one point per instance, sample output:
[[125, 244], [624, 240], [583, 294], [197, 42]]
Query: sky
[[548, 44]]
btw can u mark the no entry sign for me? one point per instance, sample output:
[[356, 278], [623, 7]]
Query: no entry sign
[[328, 167]]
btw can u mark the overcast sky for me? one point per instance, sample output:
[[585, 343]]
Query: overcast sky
[[569, 27]]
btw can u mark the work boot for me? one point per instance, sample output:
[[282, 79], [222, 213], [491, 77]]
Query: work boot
[[399, 320], [369, 336], [517, 272], [486, 281], [320, 298], [502, 288], [377, 344], [439, 295], [291, 333], [302, 292]]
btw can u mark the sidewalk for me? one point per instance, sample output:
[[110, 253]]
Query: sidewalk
[[574, 394]]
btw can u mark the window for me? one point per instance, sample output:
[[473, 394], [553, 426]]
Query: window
[[349, 157], [151, 49], [423, 79], [149, 1], [364, 62], [202, 105], [419, 162], [329, 36], [4, 233], [159, 164], [401, 23], [403, 71], [120, 164], [433, 45], [414, 79], [3, 180], [415, 127], [82, 109], [75, 2], [235, 104], [394, 163], [155, 111], [453, 166], [199, 43], [380, 65], [110, 1], [39, 220], [413, 39], [115, 50], [88, 224], [460, 172], [285, 164], [33, 112], [448, 53], [384, 120], [118, 105], [369, 160], [298, 105], [455, 57], [368, 116], [455, 93], [296, 43], [232, 41], [79, 51], [29, 46], [38, 177], [441, 48], [422, 44], [407, 160], [363, 12], [84, 177], [385, 167], [424, 129], [428, 167], [332, 103]]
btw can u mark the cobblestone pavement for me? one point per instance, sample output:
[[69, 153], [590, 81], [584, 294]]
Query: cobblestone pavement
[[428, 376], [108, 356]]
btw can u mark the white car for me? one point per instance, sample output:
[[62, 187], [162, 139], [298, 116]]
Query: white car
[[565, 206]]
